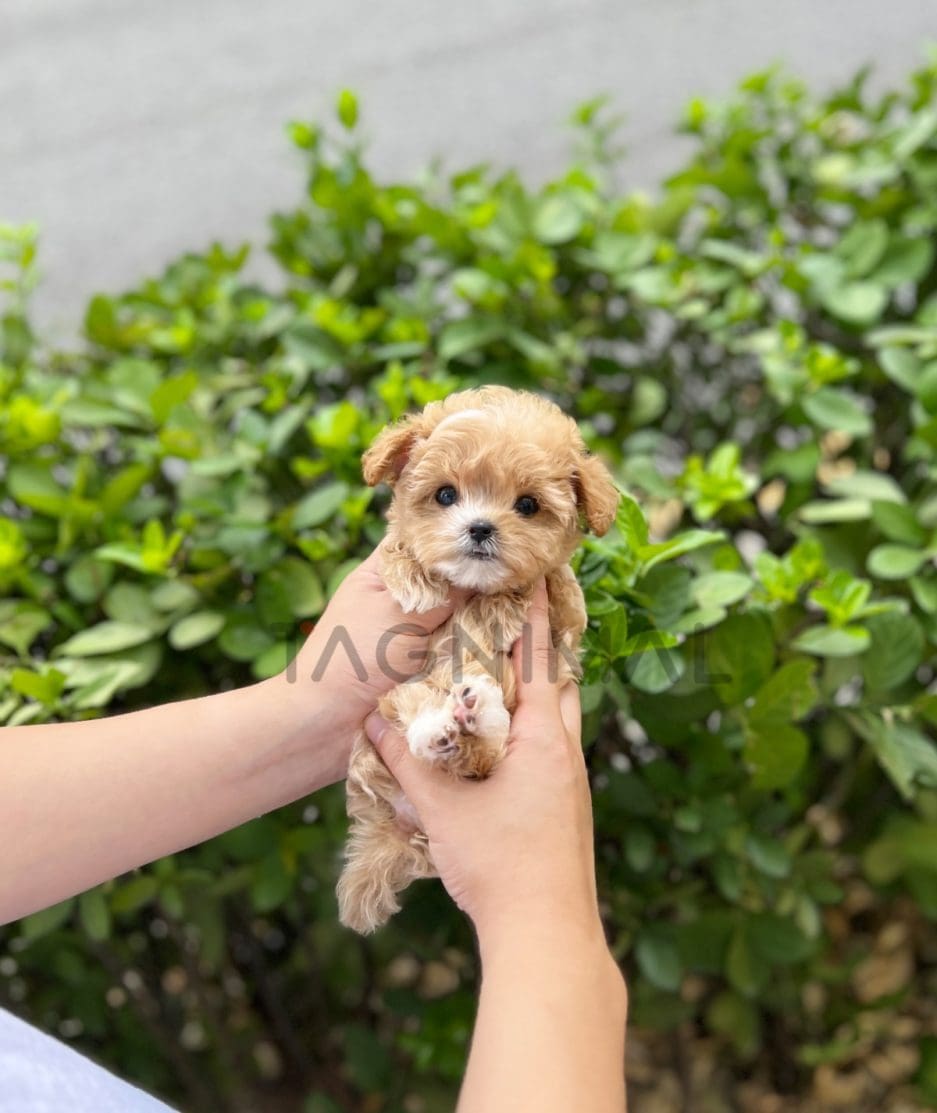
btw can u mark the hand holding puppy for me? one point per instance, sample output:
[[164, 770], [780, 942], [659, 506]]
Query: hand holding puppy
[[516, 848]]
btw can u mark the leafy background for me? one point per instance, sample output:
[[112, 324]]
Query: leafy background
[[754, 347]]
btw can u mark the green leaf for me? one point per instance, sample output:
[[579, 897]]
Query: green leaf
[[739, 656], [859, 303], [917, 132], [320, 1103], [768, 856], [174, 595], [737, 1020], [640, 848], [468, 335], [906, 260], [659, 961], [44, 687], [747, 972], [665, 592], [682, 543], [45, 922], [106, 637], [366, 1058], [132, 605], [613, 632], [924, 591], [833, 641], [243, 639], [21, 623], [557, 219], [872, 485], [902, 367], [289, 590], [88, 578], [101, 321], [132, 895], [898, 523], [319, 506], [907, 756], [830, 511], [273, 660], [97, 680], [835, 409], [631, 523], [863, 246], [655, 670], [272, 883], [94, 916], [196, 629], [894, 562], [776, 753], [777, 939], [721, 589], [895, 651], [347, 109], [787, 695]]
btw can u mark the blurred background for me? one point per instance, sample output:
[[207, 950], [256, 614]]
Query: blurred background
[[134, 131]]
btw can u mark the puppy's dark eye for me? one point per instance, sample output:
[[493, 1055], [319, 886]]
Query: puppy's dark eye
[[527, 506], [446, 496]]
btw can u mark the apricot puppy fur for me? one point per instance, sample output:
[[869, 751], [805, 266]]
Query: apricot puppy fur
[[491, 488]]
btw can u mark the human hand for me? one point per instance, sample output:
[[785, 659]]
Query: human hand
[[515, 848], [362, 646]]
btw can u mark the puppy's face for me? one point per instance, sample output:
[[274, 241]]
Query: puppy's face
[[490, 487]]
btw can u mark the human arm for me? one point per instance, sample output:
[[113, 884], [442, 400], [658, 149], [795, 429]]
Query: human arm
[[515, 852], [83, 802]]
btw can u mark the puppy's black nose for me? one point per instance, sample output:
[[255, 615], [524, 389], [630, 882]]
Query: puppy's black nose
[[480, 531]]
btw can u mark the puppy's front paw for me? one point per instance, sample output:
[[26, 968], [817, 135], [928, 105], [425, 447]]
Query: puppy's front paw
[[414, 590]]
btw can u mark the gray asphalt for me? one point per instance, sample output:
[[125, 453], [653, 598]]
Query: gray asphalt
[[134, 131]]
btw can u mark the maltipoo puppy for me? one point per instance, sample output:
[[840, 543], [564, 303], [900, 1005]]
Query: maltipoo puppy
[[491, 488]]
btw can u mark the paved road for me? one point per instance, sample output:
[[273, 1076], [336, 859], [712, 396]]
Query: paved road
[[132, 131]]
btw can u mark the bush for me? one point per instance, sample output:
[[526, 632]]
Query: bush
[[756, 350]]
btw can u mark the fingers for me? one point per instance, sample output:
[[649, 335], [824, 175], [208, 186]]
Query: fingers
[[418, 781], [534, 656]]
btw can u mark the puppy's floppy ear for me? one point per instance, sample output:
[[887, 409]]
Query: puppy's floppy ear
[[388, 455], [596, 494]]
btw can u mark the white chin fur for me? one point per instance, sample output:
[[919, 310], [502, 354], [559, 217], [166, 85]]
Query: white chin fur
[[473, 575]]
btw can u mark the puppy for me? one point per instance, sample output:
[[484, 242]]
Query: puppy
[[490, 490]]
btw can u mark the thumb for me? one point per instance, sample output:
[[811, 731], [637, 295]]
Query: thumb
[[534, 655], [418, 781]]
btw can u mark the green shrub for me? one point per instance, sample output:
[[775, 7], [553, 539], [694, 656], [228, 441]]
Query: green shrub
[[756, 350]]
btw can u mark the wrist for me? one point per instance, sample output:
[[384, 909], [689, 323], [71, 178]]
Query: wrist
[[556, 929], [307, 743], [576, 951]]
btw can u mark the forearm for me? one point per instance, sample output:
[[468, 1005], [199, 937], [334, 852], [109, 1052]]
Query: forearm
[[550, 1032], [126, 790]]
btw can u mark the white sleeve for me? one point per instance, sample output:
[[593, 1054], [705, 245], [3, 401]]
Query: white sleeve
[[39, 1074]]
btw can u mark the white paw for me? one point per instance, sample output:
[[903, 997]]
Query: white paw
[[478, 707], [434, 734]]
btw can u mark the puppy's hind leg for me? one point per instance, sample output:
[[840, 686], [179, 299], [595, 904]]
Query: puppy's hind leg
[[477, 707], [380, 861]]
